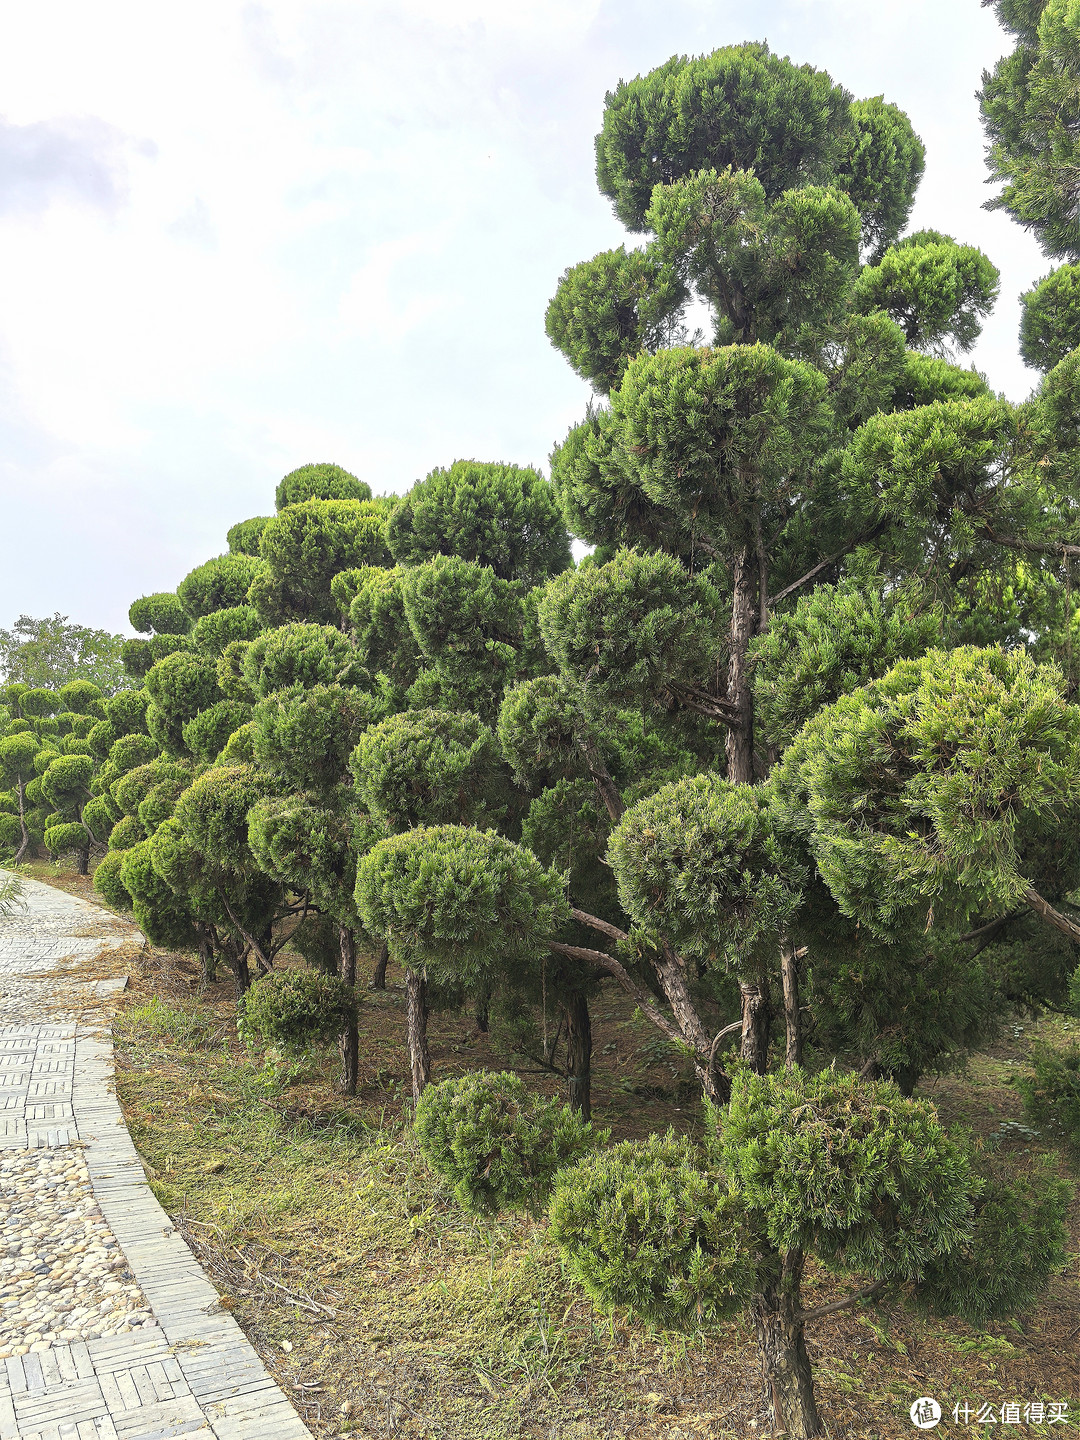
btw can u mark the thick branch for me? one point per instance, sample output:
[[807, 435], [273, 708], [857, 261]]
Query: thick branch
[[703, 702], [1046, 911], [849, 1300], [602, 926], [774, 600], [608, 963], [1032, 547]]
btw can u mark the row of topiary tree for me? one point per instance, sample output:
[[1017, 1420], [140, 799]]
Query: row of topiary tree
[[792, 758]]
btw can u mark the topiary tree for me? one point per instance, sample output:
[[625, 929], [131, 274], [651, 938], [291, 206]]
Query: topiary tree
[[66, 786], [853, 1174], [1050, 318], [17, 755], [461, 904]]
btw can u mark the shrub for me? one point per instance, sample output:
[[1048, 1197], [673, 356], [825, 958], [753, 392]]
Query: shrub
[[496, 1142], [647, 1230], [296, 1010], [125, 833], [65, 836], [1052, 1096], [1017, 1237]]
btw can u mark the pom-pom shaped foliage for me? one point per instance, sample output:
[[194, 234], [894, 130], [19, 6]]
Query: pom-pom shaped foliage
[[836, 639], [10, 832], [741, 107], [205, 734], [160, 801], [916, 787], [230, 672], [213, 814], [936, 290], [504, 517], [162, 915], [107, 881], [126, 711], [1052, 1095], [136, 658], [611, 308], [243, 537], [39, 702], [305, 546], [68, 835], [306, 735], [99, 817], [307, 847], [164, 614], [923, 462], [542, 727], [848, 1171], [125, 833], [427, 767], [17, 754], [384, 642], [881, 168], [700, 863], [498, 1144], [298, 654], [646, 1230], [220, 628], [1017, 1238], [295, 1011], [218, 584], [82, 697], [179, 686], [317, 482], [1050, 322], [634, 626], [66, 783], [466, 903]]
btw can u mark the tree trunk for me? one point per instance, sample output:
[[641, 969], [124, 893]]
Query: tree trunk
[[789, 971], [416, 1017], [236, 955], [756, 1016], [785, 1365], [24, 844], [744, 618], [82, 860], [579, 1054], [481, 1014], [378, 977], [263, 955], [207, 966], [349, 1039], [669, 971], [906, 1078]]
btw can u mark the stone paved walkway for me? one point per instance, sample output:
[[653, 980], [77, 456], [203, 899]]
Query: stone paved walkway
[[109, 1330]]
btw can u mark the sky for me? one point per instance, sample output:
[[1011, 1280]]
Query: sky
[[237, 238]]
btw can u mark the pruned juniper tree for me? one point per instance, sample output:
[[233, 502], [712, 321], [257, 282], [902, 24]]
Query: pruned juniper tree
[[828, 1166]]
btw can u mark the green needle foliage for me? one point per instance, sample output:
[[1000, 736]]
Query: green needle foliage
[[1050, 322], [497, 1143]]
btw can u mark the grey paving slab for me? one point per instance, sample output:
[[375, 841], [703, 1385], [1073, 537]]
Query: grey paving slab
[[190, 1371]]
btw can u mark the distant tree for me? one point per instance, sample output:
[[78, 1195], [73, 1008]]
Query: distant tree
[[49, 652]]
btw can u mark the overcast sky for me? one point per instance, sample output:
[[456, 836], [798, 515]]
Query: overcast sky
[[235, 238]]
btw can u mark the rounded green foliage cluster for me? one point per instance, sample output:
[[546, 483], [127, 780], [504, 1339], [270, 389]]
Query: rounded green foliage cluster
[[498, 1144], [427, 767], [1017, 1238], [1052, 1095], [1050, 322], [107, 881], [164, 614], [646, 1229], [243, 537], [65, 836], [317, 482], [218, 584], [936, 290], [221, 628], [305, 546], [305, 735], [502, 516], [700, 863], [295, 655], [463, 902], [213, 813], [849, 1171], [206, 734], [296, 1010]]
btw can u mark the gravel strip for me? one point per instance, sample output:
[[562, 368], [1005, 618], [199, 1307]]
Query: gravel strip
[[62, 1275]]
